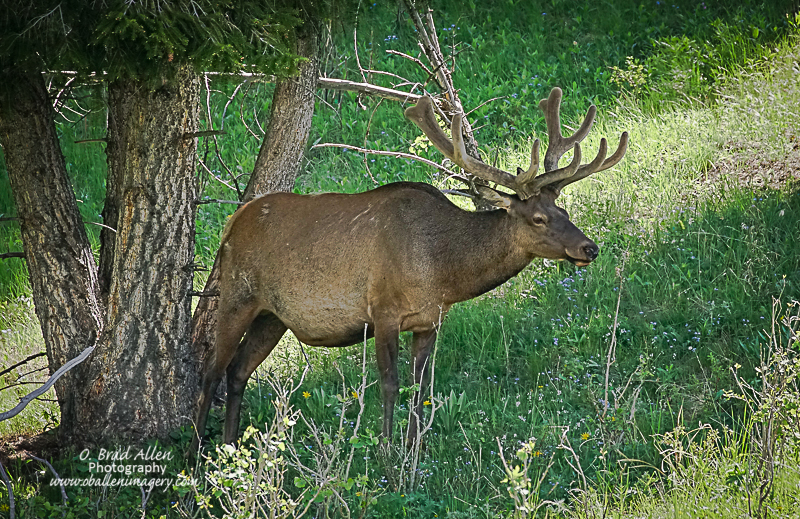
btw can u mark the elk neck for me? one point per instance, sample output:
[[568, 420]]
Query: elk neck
[[484, 254]]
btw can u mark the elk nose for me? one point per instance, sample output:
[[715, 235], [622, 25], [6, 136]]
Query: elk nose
[[591, 251]]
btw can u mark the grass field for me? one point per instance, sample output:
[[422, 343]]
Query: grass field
[[640, 386]]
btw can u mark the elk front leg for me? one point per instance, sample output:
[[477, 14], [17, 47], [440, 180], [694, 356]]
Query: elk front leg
[[387, 337], [422, 344]]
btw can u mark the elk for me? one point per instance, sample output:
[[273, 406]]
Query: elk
[[392, 259]]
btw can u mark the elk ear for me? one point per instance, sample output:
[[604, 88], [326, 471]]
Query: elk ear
[[496, 198]]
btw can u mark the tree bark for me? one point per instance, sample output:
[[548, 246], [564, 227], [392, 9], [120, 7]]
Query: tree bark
[[277, 165], [115, 156], [143, 378], [281, 153], [61, 267]]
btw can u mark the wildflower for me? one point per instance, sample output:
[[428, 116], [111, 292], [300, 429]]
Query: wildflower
[[585, 436], [536, 454], [426, 402], [355, 395], [306, 394]]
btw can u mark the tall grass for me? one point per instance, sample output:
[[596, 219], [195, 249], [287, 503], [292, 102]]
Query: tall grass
[[692, 257]]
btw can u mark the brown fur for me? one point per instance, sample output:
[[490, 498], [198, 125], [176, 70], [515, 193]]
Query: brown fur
[[394, 259]]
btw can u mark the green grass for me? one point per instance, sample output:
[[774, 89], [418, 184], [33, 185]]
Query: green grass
[[692, 257], [21, 337], [697, 263]]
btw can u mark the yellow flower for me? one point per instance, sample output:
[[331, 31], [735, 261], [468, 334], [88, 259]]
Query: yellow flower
[[355, 395], [306, 394], [536, 454], [426, 402], [585, 436], [358, 494]]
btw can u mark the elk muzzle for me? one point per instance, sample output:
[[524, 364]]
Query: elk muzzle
[[583, 254]]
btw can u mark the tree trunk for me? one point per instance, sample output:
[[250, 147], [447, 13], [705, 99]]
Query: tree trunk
[[277, 165], [281, 153], [144, 378], [61, 267]]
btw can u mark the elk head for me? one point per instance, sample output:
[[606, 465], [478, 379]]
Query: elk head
[[548, 231]]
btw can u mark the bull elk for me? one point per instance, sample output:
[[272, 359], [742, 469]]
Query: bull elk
[[392, 259]]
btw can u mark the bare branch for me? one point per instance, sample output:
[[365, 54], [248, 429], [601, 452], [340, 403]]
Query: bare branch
[[204, 294], [216, 143], [12, 255], [230, 100], [366, 137], [58, 478], [456, 192], [484, 103], [20, 363], [412, 58], [11, 507], [215, 201], [52, 380], [204, 133], [383, 73], [215, 177], [386, 153], [104, 226], [368, 88], [83, 141]]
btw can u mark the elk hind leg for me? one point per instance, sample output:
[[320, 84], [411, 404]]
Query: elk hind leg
[[231, 325], [262, 336], [387, 337], [421, 346]]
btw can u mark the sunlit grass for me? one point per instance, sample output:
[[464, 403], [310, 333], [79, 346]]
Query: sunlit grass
[[696, 262], [21, 337]]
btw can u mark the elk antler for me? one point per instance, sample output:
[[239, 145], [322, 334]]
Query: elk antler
[[558, 144], [525, 183]]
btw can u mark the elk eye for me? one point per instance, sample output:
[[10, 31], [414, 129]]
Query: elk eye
[[538, 220]]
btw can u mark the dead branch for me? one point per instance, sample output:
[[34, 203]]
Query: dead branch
[[204, 294], [104, 226], [216, 144], [52, 380], [411, 58], [366, 137], [20, 363], [84, 141], [11, 509], [215, 177], [484, 103], [215, 201], [58, 478], [456, 192], [386, 153], [367, 88], [12, 255], [31, 372], [383, 73], [204, 133]]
